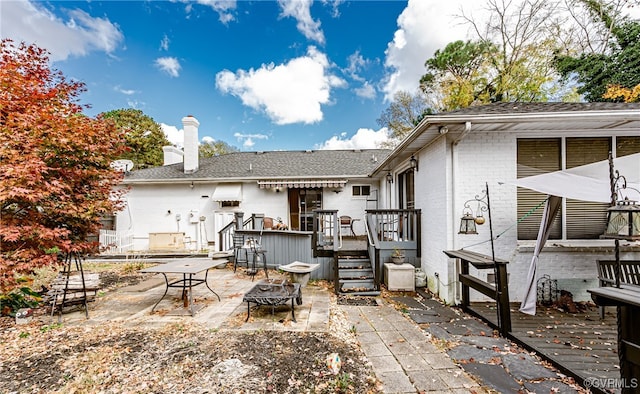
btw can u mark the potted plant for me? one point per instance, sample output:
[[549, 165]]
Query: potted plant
[[397, 257]]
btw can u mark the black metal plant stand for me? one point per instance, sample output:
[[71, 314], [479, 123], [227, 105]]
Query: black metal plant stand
[[65, 293]]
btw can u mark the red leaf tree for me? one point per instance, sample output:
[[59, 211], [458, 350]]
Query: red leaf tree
[[55, 176]]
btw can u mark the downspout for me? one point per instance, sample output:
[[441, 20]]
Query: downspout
[[454, 160]]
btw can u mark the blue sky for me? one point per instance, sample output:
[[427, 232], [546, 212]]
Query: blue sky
[[259, 75]]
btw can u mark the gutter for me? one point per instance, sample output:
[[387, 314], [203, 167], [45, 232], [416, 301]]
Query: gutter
[[188, 181], [423, 126]]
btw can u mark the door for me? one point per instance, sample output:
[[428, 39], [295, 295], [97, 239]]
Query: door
[[302, 202]]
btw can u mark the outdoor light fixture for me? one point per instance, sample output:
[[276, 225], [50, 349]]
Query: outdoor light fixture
[[389, 177], [623, 221], [469, 220], [467, 223], [623, 217], [413, 163], [443, 130]]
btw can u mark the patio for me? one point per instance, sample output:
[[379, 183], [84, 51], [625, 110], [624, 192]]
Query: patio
[[135, 303]]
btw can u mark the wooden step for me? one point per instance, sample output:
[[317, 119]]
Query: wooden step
[[352, 254], [354, 264], [371, 293], [356, 284], [355, 274]]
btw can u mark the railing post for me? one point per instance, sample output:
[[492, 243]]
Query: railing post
[[503, 300], [464, 270], [258, 221], [239, 220]]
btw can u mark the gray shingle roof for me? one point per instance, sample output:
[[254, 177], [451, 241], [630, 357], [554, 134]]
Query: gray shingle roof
[[316, 164], [521, 108]]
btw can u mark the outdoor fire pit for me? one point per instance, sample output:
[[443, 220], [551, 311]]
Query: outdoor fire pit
[[273, 292]]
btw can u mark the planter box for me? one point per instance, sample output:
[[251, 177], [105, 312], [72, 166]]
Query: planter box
[[399, 277]]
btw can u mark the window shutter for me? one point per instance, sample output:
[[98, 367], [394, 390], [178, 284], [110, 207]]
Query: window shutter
[[626, 146], [536, 157], [586, 220]]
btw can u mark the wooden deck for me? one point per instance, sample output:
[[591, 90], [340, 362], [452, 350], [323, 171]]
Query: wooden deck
[[580, 345]]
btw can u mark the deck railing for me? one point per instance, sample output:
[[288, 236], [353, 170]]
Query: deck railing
[[112, 241], [391, 229], [225, 235], [326, 234], [394, 225]]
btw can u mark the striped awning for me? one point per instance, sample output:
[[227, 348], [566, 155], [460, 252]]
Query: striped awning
[[302, 183]]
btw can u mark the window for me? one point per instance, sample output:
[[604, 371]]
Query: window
[[536, 157], [406, 190], [310, 199], [228, 204], [360, 190], [586, 220], [583, 220]]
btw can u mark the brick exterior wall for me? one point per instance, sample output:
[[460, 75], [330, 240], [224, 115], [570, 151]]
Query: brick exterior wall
[[452, 174]]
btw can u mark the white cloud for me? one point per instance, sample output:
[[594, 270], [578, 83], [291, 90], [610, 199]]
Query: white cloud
[[164, 43], [174, 135], [248, 143], [334, 4], [300, 10], [423, 27], [224, 8], [127, 92], [29, 21], [366, 91], [362, 139], [356, 63], [170, 65], [247, 140], [288, 93]]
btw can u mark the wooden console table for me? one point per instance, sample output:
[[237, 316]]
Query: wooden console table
[[498, 291]]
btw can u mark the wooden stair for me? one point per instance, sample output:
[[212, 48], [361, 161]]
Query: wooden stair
[[355, 274]]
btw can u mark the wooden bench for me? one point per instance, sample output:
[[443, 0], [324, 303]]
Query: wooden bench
[[629, 274]]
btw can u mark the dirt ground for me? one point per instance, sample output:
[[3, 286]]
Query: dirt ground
[[178, 358]]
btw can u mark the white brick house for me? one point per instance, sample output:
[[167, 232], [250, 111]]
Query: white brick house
[[185, 203], [457, 152]]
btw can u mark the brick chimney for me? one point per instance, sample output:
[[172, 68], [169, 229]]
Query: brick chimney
[[190, 126]]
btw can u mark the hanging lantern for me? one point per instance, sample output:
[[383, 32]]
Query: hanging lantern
[[467, 224], [623, 221]]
